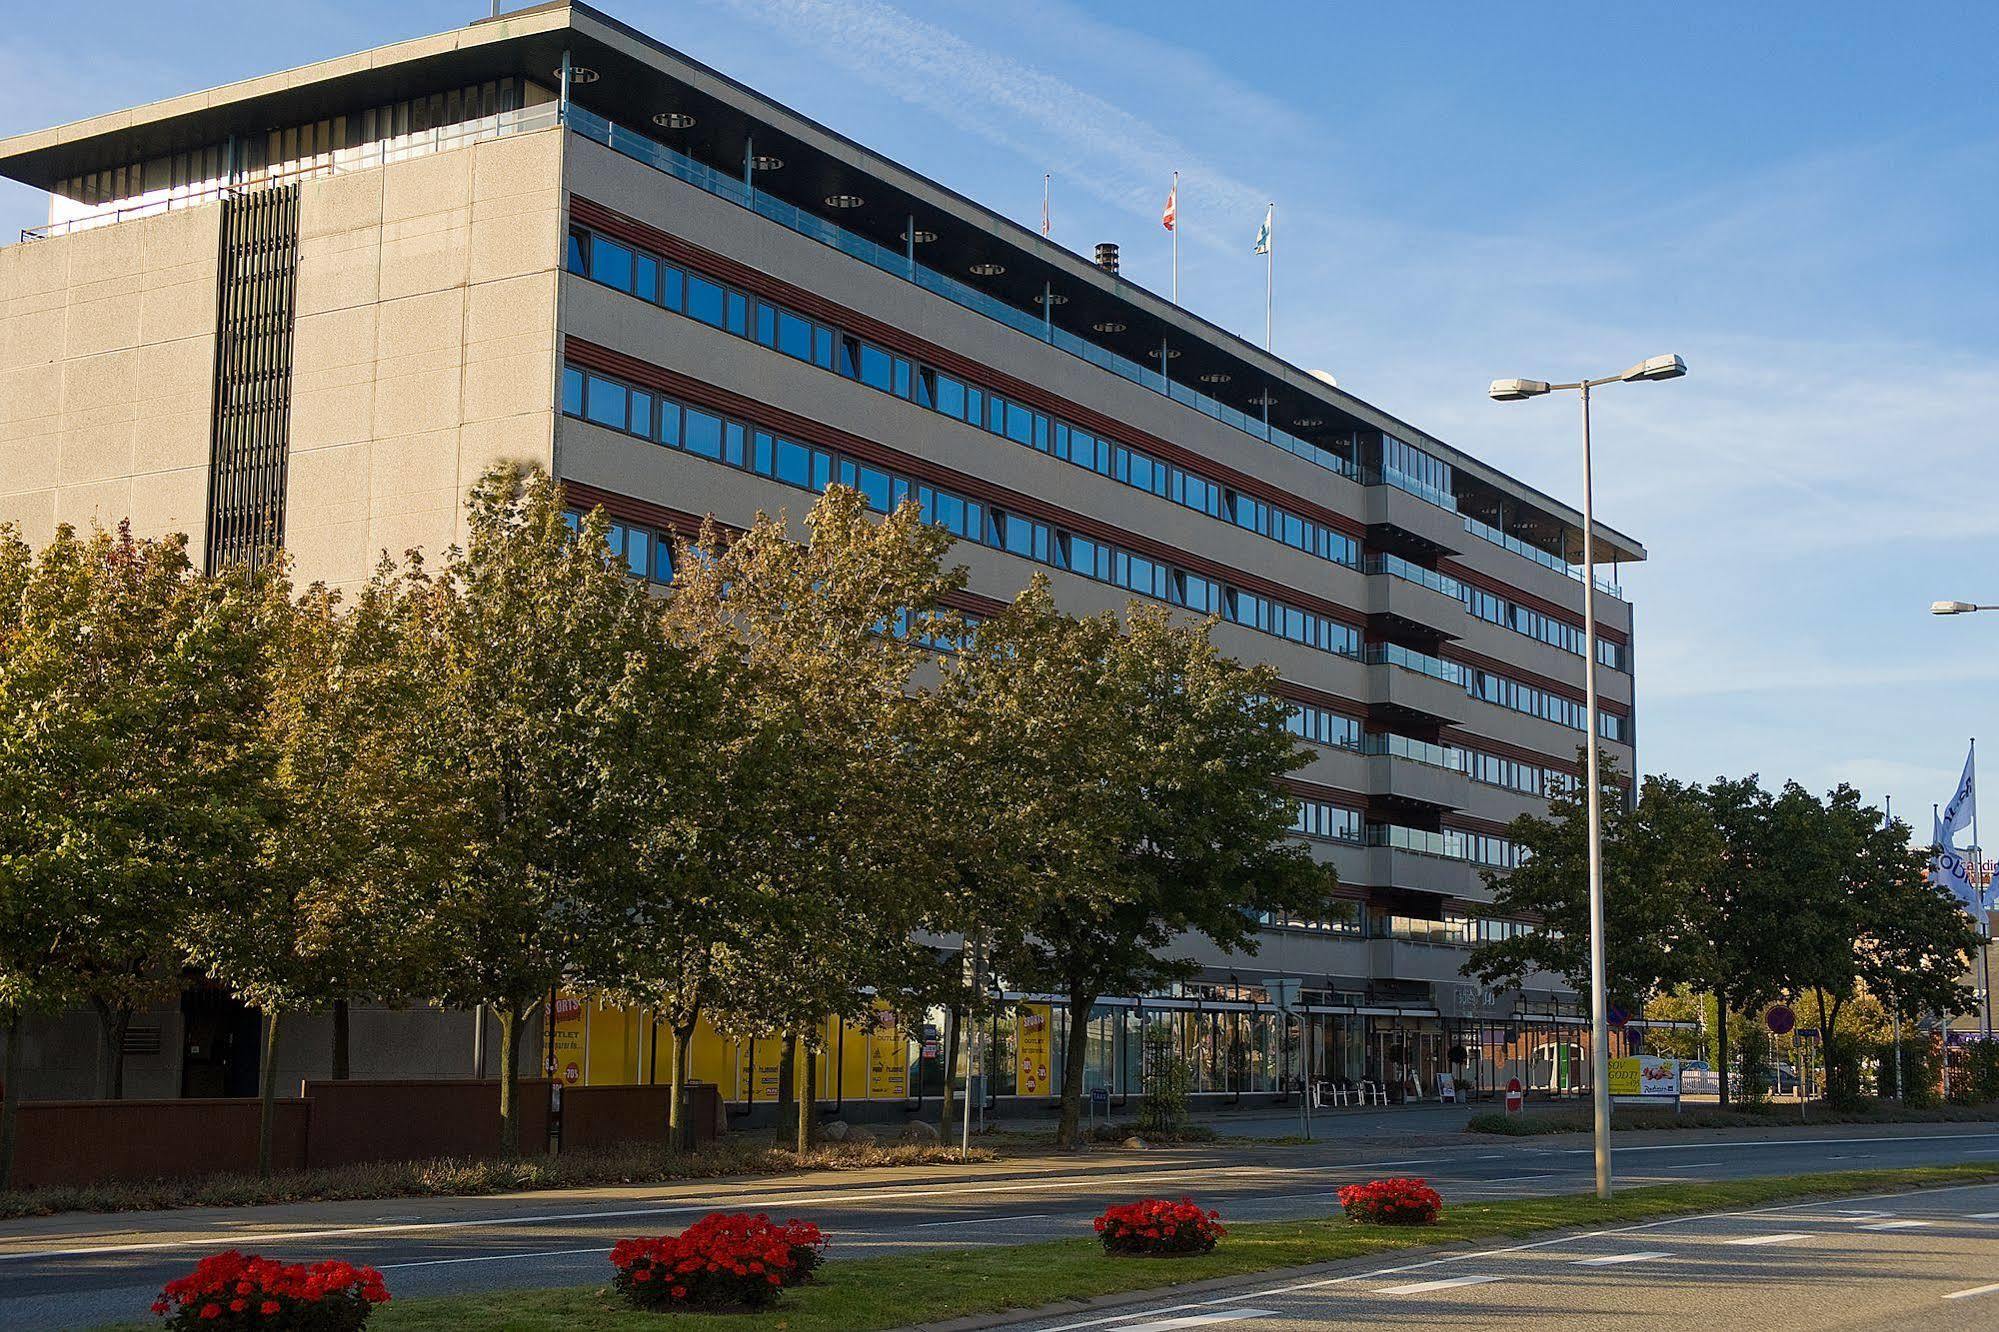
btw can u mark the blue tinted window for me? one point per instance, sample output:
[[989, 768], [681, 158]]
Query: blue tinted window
[[610, 263], [669, 423], [874, 370], [822, 348], [874, 484], [607, 402], [732, 445], [1019, 423], [794, 336], [704, 433], [645, 277], [704, 300], [901, 387], [671, 281], [641, 423], [822, 469], [638, 551], [766, 325], [950, 397], [761, 460], [739, 313], [572, 390], [577, 240], [794, 463], [662, 560]]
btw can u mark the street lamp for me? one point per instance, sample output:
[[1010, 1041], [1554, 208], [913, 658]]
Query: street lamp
[[1977, 853], [1515, 390], [1957, 607]]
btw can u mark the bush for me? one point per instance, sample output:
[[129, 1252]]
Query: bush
[[1168, 1078], [231, 1290], [1392, 1202], [1155, 1227], [723, 1261]]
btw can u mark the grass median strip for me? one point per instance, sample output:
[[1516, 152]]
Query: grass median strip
[[897, 1291]]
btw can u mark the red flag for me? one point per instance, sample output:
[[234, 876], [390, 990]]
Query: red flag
[[1172, 213]]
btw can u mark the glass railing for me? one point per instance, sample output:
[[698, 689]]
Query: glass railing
[[1397, 567], [1394, 654], [1448, 844], [1416, 751], [1547, 559], [658, 156]]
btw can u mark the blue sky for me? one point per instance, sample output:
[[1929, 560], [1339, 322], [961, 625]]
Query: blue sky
[[1800, 206]]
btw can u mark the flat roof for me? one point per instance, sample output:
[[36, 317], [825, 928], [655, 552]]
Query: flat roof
[[639, 77]]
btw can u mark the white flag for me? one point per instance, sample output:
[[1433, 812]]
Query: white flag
[[1947, 869], [1962, 811], [1263, 232]]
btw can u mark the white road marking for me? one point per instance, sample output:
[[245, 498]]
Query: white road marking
[[1514, 1179], [1198, 1320], [1975, 1290], [1442, 1283], [1893, 1225], [1789, 1142], [1692, 1165], [1616, 1259], [494, 1258], [1983, 1216], [984, 1220], [1785, 1237]]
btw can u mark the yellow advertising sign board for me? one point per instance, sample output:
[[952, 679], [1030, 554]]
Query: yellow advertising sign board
[[1033, 1076], [1647, 1076], [567, 1059], [1624, 1079], [888, 1058]]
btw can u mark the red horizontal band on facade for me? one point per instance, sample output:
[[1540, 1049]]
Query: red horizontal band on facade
[[777, 419], [1500, 588], [630, 229]]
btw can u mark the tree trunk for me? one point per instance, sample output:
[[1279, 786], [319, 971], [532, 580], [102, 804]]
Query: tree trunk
[[676, 1112], [1721, 1047], [509, 1013], [10, 1099], [787, 1072], [1074, 1059], [342, 1040], [801, 1071], [267, 1093], [113, 1023], [951, 1027]]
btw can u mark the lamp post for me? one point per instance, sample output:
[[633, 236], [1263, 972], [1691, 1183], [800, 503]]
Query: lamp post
[[1977, 854], [1515, 390]]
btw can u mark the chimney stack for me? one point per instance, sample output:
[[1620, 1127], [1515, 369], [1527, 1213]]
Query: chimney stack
[[1107, 256]]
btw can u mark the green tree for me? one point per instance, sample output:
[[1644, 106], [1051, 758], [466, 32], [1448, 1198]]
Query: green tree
[[546, 713], [320, 912], [1157, 763], [1652, 850], [824, 639], [127, 704]]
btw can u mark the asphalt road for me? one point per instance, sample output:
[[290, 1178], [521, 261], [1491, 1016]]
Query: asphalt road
[[1912, 1260], [83, 1271]]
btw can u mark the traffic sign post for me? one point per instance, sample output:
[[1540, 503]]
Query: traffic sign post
[[1283, 992], [1515, 1099]]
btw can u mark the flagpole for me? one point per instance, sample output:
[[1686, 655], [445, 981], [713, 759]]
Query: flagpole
[[1176, 241], [1269, 274], [1044, 204], [1984, 906]]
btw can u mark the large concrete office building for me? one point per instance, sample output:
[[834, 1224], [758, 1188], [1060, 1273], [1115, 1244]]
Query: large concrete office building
[[313, 307]]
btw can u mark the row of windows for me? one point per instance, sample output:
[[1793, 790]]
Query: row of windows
[[1421, 474], [653, 279], [1455, 930], [1323, 726], [1513, 775], [1506, 692], [1322, 818], [662, 420], [1542, 627]]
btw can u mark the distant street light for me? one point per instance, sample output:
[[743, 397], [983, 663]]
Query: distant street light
[[1957, 607], [1514, 390], [1977, 856]]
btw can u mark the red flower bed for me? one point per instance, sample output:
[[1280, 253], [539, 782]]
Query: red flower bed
[[231, 1290], [723, 1261], [1392, 1202], [1155, 1226]]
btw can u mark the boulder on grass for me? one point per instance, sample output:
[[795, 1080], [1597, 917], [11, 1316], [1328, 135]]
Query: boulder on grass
[[860, 1135], [835, 1130], [1135, 1142], [920, 1133]]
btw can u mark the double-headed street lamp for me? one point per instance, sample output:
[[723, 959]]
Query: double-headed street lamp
[[1514, 390], [1977, 854]]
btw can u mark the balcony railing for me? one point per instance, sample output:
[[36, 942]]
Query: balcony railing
[[1394, 654], [1397, 567], [1416, 751]]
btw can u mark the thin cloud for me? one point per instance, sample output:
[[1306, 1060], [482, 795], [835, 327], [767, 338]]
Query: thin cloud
[[1109, 152]]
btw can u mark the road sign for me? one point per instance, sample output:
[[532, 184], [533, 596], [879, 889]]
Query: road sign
[[1283, 993], [1514, 1098], [1616, 1017], [1780, 1019]]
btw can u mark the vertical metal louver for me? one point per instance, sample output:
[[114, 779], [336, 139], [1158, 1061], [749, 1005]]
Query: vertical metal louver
[[250, 434]]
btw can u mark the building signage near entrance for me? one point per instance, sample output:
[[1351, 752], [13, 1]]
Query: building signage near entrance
[[1036, 1050]]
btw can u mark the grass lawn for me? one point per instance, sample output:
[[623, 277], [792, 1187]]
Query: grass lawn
[[1575, 1117], [898, 1291]]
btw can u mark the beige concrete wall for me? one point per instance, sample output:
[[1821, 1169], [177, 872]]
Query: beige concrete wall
[[425, 346], [107, 349]]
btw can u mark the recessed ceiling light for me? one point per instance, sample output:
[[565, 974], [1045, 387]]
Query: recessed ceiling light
[[765, 162], [988, 269], [1264, 399], [1307, 422], [844, 201], [673, 120], [1109, 326], [1172, 353], [920, 236], [1216, 377], [1051, 298], [577, 74]]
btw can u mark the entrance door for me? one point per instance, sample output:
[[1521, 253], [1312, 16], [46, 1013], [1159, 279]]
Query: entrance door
[[220, 1050]]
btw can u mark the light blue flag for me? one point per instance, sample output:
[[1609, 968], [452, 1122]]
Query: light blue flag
[[1962, 811], [1263, 232]]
